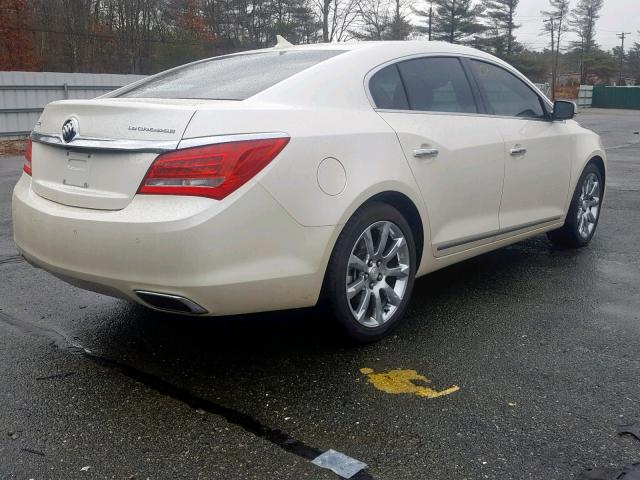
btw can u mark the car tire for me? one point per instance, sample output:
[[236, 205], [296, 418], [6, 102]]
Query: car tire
[[584, 211], [368, 286]]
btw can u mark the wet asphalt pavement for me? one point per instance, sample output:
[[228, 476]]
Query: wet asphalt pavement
[[543, 343]]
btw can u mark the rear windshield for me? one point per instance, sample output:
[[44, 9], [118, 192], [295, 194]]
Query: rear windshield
[[230, 78]]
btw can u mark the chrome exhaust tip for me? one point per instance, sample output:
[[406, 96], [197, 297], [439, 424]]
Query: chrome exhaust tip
[[169, 303]]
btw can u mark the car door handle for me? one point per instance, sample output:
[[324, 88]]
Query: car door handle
[[518, 150], [425, 152]]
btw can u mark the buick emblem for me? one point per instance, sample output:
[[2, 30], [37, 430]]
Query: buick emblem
[[70, 130]]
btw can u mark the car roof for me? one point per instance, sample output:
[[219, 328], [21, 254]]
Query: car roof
[[338, 81], [370, 54]]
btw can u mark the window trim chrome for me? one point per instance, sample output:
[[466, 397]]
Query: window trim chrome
[[461, 114], [509, 68]]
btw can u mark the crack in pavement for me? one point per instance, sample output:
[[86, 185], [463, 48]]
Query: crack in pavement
[[6, 259], [54, 337], [624, 145], [277, 437]]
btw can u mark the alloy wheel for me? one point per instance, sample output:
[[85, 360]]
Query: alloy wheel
[[589, 205], [377, 274]]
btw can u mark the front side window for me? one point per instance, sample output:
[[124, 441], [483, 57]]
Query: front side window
[[506, 94], [234, 77], [437, 85]]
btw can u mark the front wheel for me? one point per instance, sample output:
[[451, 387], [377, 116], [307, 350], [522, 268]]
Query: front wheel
[[584, 211], [371, 272]]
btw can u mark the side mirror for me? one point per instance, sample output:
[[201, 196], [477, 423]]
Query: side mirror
[[564, 110]]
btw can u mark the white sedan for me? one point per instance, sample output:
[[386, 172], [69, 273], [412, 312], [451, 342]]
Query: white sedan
[[271, 179]]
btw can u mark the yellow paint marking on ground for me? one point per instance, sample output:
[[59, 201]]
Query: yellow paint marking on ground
[[402, 381]]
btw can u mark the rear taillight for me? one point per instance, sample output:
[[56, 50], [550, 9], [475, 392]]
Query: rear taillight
[[212, 171], [27, 158]]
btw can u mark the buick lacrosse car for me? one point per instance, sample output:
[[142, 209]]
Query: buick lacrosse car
[[272, 179]]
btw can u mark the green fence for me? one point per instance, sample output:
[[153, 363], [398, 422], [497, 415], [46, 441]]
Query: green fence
[[616, 97]]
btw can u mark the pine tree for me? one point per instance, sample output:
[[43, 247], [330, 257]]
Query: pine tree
[[428, 15], [501, 15], [633, 62], [399, 28], [456, 21]]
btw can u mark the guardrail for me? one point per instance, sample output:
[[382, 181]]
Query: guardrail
[[23, 95], [544, 88]]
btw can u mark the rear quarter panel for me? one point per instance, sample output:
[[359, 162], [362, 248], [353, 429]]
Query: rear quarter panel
[[364, 144]]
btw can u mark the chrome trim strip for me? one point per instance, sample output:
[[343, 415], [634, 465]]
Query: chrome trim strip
[[529, 225], [465, 240], [494, 233], [105, 144], [190, 304], [461, 114], [213, 139], [149, 146]]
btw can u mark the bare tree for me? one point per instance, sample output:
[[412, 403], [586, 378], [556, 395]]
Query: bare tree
[[338, 18], [583, 21], [381, 20], [556, 27], [15, 19], [374, 19]]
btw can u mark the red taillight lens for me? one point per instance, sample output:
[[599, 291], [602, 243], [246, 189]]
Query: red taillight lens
[[212, 171], [27, 158]]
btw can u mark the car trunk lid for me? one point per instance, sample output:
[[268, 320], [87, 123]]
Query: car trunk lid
[[115, 142]]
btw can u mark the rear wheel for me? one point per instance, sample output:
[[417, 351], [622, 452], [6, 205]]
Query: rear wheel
[[584, 211], [371, 272]]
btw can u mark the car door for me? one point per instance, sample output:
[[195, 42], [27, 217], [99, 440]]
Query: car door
[[538, 151], [456, 158]]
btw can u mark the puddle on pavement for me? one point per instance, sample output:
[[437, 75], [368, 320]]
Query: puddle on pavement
[[403, 382]]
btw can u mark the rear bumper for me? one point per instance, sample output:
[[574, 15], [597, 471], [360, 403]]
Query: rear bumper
[[238, 256]]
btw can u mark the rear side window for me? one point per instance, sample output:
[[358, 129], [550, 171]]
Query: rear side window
[[235, 77], [387, 90], [506, 94], [437, 85]]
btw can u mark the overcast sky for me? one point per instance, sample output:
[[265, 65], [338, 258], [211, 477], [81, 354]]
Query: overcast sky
[[617, 16]]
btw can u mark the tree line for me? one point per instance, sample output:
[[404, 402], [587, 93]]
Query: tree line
[[146, 36]]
